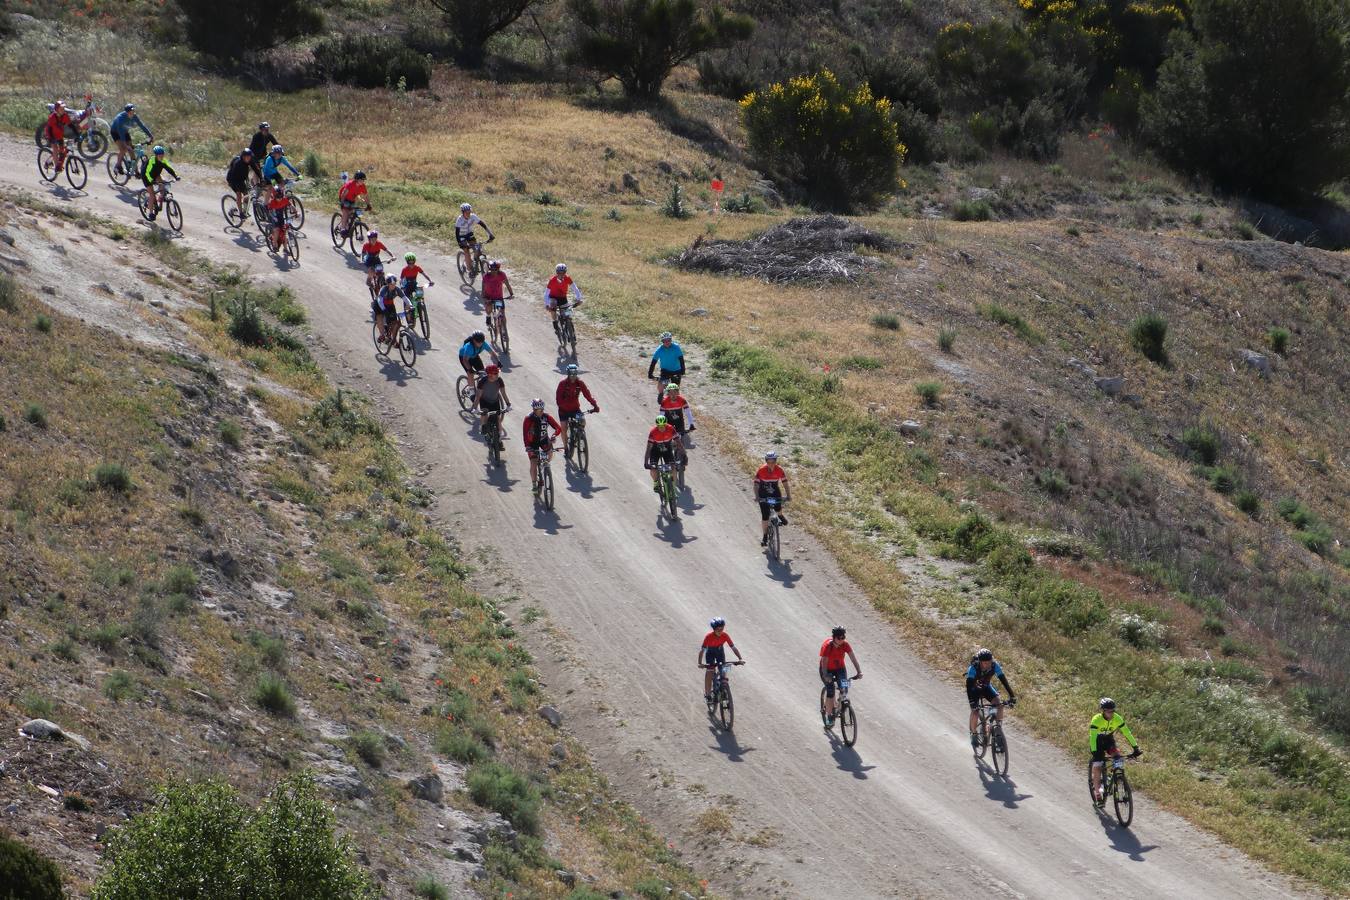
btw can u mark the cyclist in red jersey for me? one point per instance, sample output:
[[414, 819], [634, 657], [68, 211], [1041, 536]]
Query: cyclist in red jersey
[[556, 294], [349, 195], [570, 391], [675, 408], [372, 258], [663, 443], [407, 278], [495, 289], [537, 439], [770, 481], [711, 654], [833, 669], [57, 123]]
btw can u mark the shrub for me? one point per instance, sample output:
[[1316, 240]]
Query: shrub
[[947, 339], [179, 580], [888, 321], [472, 23], [368, 745], [113, 477], [272, 650], [35, 415], [231, 435], [504, 791], [1248, 502], [1202, 443], [1316, 537], [1001, 316], [1148, 335], [675, 207], [107, 637], [639, 42], [1053, 483], [372, 61], [227, 30], [1295, 513], [26, 874], [10, 293], [246, 324], [838, 146], [428, 888], [461, 746], [1279, 339], [971, 211], [65, 649], [928, 392], [43, 324], [272, 694], [119, 685], [1223, 479]]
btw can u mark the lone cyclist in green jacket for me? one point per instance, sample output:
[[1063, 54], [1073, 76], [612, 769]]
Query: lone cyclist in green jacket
[[1102, 742]]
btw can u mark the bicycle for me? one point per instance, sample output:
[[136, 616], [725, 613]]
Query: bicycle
[[120, 173], [466, 390], [848, 721], [1116, 786], [285, 240], [356, 232], [234, 216], [566, 329], [574, 441], [173, 213], [76, 172], [90, 133], [419, 314], [399, 335], [989, 731], [497, 326], [719, 700], [295, 213], [543, 480], [492, 433], [477, 263], [665, 483], [773, 543]]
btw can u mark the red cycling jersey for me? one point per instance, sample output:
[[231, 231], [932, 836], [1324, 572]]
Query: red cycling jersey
[[373, 248], [670, 404], [278, 200], [536, 427], [494, 284], [56, 126], [662, 434], [834, 656], [558, 286], [712, 640], [411, 272], [771, 473], [569, 395], [353, 191]]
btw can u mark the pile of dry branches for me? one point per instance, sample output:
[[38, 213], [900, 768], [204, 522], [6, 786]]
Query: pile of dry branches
[[815, 248]]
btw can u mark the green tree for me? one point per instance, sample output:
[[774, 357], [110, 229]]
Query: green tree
[[1259, 99], [231, 30], [640, 41], [25, 874], [839, 146], [473, 22]]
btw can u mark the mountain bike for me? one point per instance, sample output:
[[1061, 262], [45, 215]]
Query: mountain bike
[[566, 329], [477, 265], [719, 700], [543, 480], [1117, 787], [989, 731], [89, 132], [121, 174], [399, 336], [575, 443], [492, 433], [497, 326], [356, 232], [419, 315], [281, 238], [772, 536], [665, 484], [844, 715], [234, 216], [295, 213], [76, 172], [466, 389], [173, 213]]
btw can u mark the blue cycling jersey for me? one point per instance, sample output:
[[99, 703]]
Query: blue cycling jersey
[[123, 122], [469, 350], [668, 358], [983, 678], [271, 167]]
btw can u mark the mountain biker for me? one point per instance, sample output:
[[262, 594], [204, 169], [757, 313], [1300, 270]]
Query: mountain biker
[[120, 131], [770, 481], [495, 284], [569, 393], [236, 176], [55, 131], [537, 438], [464, 226], [490, 397], [677, 409], [1102, 741], [271, 170], [258, 144], [348, 195], [833, 669], [471, 350], [277, 204], [663, 443], [153, 178], [979, 677], [407, 278], [555, 295], [371, 259], [385, 307], [670, 358], [710, 653]]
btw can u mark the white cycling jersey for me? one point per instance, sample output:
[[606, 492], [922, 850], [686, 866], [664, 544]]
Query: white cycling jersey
[[464, 225]]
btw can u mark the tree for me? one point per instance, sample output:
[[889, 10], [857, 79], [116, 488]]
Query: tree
[[231, 30], [473, 22], [640, 41], [25, 873], [839, 146]]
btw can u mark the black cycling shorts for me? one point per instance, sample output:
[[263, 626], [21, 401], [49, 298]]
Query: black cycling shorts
[[661, 452], [1106, 744], [238, 188], [465, 240], [473, 362], [988, 692]]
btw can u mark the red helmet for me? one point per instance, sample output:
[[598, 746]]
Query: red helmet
[[493, 369]]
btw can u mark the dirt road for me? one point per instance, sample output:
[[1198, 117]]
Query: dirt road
[[905, 813]]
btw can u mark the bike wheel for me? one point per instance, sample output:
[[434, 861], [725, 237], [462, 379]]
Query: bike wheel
[[824, 716], [1124, 800], [982, 735], [295, 214], [570, 335], [465, 275], [260, 218], [358, 236], [76, 172], [848, 725], [382, 345], [94, 145], [423, 320], [116, 177], [143, 203], [998, 743], [230, 210], [292, 245], [725, 710], [1092, 796], [668, 496], [407, 348], [774, 546], [504, 336], [46, 165], [546, 475], [492, 436], [582, 452], [173, 214], [335, 230], [464, 391], [40, 136]]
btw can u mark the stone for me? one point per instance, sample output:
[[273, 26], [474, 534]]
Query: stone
[[1111, 387], [569, 879], [1258, 361], [909, 426], [45, 730], [1082, 367], [665, 166], [372, 471], [227, 564], [559, 750], [342, 780], [6, 237], [630, 183], [428, 787], [550, 715], [698, 312]]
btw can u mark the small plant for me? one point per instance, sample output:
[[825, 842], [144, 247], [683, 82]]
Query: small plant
[[37, 706], [246, 324], [887, 321], [1198, 220], [1053, 482], [928, 392], [179, 580], [192, 514], [272, 694], [272, 650], [43, 324], [972, 211], [546, 198], [1279, 339], [119, 686], [1248, 502], [231, 435], [35, 415], [107, 637], [675, 207], [860, 363], [27, 874], [1316, 537], [1202, 443], [10, 293], [1213, 625], [65, 650], [368, 745], [1148, 335], [1072, 231], [1223, 479], [113, 477], [428, 888], [76, 803], [513, 184], [461, 746], [614, 215], [1295, 513], [506, 792], [1001, 316], [946, 339], [312, 165], [1245, 230]]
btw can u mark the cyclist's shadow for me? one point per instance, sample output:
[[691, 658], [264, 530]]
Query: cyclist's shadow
[[499, 477], [580, 483], [728, 745], [780, 570], [685, 500], [246, 239], [395, 371], [547, 520], [672, 532], [473, 301], [1123, 840], [846, 758], [999, 787]]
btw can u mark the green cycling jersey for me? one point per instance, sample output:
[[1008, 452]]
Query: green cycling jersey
[[1102, 726], [155, 167]]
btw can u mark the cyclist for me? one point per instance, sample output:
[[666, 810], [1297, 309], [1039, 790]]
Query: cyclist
[[670, 358], [677, 409], [979, 683], [271, 170], [120, 130], [407, 278], [277, 204], [711, 653], [663, 443], [372, 260], [495, 284], [348, 195], [259, 143], [1102, 742], [385, 307], [490, 397], [569, 393], [555, 295], [470, 352], [833, 669], [464, 226], [770, 481], [537, 438], [153, 178], [57, 123], [236, 176]]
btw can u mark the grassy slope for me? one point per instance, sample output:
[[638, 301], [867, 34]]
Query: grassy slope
[[115, 627], [1242, 765]]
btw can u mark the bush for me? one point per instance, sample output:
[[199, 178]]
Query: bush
[[1053, 483], [231, 435], [675, 207], [1148, 334], [119, 686], [25, 874], [246, 324], [639, 42], [43, 324], [272, 694], [113, 477], [1202, 443], [179, 580], [1001, 316], [461, 746], [888, 321], [1295, 513], [498, 788], [946, 339], [472, 23], [368, 745], [227, 30], [971, 211], [1316, 537], [928, 392], [372, 61], [839, 147], [10, 293], [428, 888], [1248, 502], [1223, 479], [271, 650], [1279, 339]]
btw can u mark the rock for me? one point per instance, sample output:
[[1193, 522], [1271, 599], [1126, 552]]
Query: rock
[[630, 183], [428, 787], [569, 879], [1258, 361], [491, 827], [372, 471], [342, 780], [1081, 367], [44, 730], [981, 193], [6, 237], [1111, 387], [665, 166], [551, 715], [226, 563], [909, 426], [698, 312], [558, 751]]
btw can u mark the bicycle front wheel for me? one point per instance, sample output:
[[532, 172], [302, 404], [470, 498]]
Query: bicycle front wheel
[[173, 214], [582, 451], [848, 725], [546, 475], [335, 230], [503, 335], [775, 548], [824, 716], [358, 236], [423, 320], [570, 335], [118, 175], [292, 245], [47, 165], [998, 743], [143, 203], [76, 172], [295, 214], [382, 344], [668, 496], [234, 217], [1124, 800], [492, 436], [465, 274], [725, 709], [407, 348], [982, 736], [464, 391]]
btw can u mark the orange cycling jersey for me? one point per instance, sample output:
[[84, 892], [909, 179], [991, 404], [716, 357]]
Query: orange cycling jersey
[[410, 273], [670, 404], [767, 473], [662, 434], [373, 248], [352, 191]]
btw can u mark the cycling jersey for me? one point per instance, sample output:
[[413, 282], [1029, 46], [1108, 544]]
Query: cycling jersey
[[236, 176], [272, 168], [490, 391], [278, 202], [569, 395], [464, 225], [536, 427], [1104, 729], [370, 254], [155, 168], [388, 296], [470, 350], [834, 656], [662, 434], [410, 273], [57, 123], [713, 640], [713, 647], [121, 125], [982, 678], [259, 144], [494, 285], [769, 480], [352, 191], [669, 358], [558, 286]]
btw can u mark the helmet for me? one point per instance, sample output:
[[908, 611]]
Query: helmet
[[493, 369], [478, 336], [571, 368], [247, 151], [837, 631], [465, 207], [360, 175], [717, 622], [390, 279], [771, 456], [276, 148], [560, 268], [410, 257], [159, 149], [984, 655], [372, 233], [495, 264], [60, 104], [263, 126], [660, 420], [536, 403], [672, 388], [1106, 703], [667, 336], [129, 107]]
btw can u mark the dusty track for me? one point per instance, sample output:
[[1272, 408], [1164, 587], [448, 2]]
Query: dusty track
[[906, 813]]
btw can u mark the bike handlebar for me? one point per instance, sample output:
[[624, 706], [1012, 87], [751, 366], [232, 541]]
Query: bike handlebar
[[738, 662]]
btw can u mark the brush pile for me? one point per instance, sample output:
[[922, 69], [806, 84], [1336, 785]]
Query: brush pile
[[809, 249]]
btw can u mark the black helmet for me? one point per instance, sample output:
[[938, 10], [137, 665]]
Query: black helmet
[[717, 622], [360, 174], [984, 655], [263, 126], [478, 336], [837, 631], [1106, 703]]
